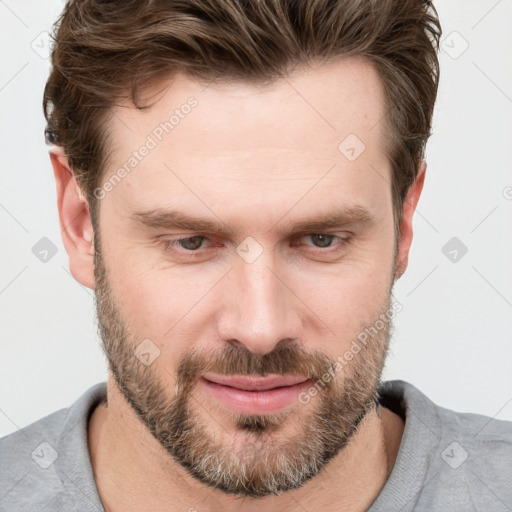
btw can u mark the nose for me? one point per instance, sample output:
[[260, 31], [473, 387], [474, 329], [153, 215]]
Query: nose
[[257, 309]]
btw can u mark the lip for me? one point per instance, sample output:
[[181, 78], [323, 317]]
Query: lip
[[248, 383], [254, 395]]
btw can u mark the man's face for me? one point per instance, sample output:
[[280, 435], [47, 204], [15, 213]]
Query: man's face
[[267, 295]]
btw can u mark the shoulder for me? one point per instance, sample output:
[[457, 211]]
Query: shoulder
[[475, 458], [416, 406], [449, 460], [35, 461]]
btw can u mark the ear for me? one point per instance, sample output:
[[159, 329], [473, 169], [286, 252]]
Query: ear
[[75, 221], [409, 207]]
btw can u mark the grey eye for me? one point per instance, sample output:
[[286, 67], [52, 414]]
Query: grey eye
[[322, 240], [192, 243]]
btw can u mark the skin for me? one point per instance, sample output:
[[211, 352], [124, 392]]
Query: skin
[[260, 159]]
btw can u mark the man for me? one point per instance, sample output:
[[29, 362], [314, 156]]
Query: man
[[237, 181]]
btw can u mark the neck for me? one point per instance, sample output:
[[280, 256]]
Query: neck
[[134, 473]]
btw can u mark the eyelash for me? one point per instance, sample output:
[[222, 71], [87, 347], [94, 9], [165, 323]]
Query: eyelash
[[344, 241]]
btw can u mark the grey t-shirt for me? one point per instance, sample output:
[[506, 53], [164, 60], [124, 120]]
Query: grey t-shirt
[[447, 461]]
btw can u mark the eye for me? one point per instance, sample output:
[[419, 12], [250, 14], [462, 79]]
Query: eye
[[325, 240], [191, 243], [322, 240]]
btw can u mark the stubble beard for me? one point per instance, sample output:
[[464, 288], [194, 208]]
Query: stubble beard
[[257, 460]]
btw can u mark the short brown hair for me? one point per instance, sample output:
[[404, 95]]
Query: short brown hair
[[110, 50]]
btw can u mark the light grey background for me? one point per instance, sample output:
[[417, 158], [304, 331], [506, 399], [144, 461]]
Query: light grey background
[[453, 338]]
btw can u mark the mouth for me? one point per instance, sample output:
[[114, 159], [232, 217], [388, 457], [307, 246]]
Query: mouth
[[255, 395]]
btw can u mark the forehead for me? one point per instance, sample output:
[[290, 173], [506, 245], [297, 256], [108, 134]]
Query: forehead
[[340, 97], [229, 137]]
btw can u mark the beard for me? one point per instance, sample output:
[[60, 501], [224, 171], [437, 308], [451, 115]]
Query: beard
[[262, 457]]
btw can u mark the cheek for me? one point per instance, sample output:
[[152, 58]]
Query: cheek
[[349, 294], [157, 300], [346, 301]]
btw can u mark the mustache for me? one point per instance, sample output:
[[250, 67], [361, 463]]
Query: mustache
[[285, 359]]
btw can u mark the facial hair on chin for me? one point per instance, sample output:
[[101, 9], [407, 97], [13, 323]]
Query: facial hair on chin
[[263, 464]]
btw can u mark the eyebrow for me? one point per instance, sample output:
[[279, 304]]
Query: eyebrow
[[175, 219]]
